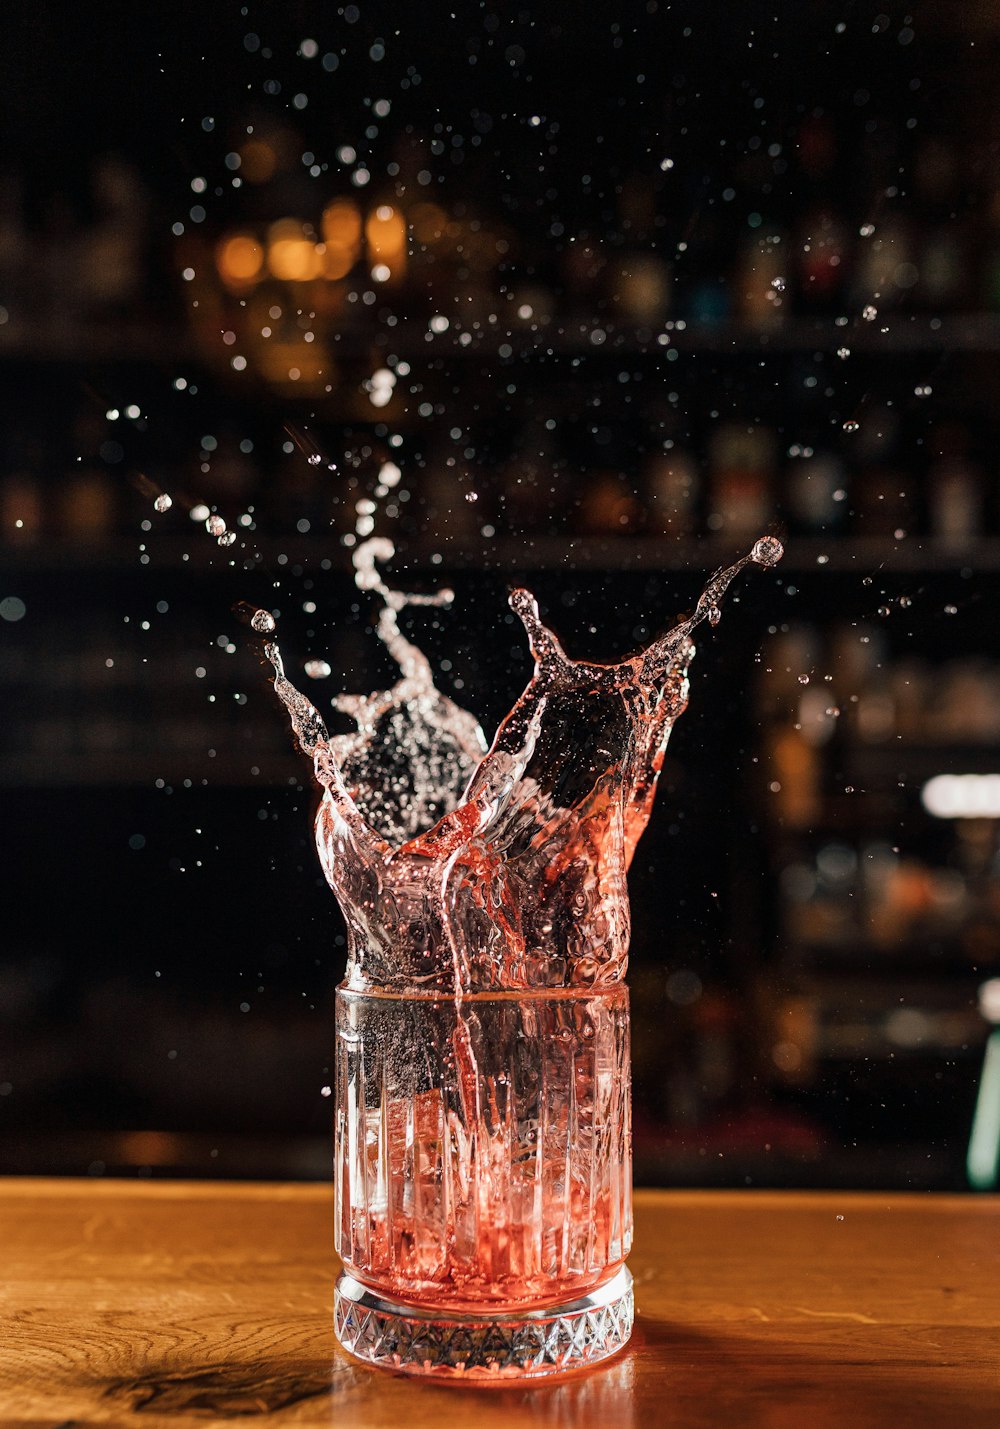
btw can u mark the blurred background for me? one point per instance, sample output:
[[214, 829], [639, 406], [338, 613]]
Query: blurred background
[[618, 290]]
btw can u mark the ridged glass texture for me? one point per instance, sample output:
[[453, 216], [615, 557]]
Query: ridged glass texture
[[483, 1150]]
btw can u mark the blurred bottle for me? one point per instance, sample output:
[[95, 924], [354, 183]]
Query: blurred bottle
[[942, 285], [539, 489], [875, 711], [790, 655], [110, 252], [583, 266], [795, 1038], [671, 493], [794, 769], [741, 463], [609, 506], [638, 278], [86, 507], [639, 283], [856, 650], [22, 509], [821, 251], [911, 681], [761, 281], [935, 169], [884, 271], [954, 487], [708, 301], [883, 490], [814, 493]]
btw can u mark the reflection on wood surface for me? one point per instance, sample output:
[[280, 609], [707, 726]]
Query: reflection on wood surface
[[189, 1304]]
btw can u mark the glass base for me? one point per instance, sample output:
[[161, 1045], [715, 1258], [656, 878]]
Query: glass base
[[452, 1344]]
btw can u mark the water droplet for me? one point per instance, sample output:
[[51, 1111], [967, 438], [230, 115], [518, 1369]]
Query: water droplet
[[714, 615], [328, 1092], [951, 610], [262, 621], [884, 610], [843, 352], [924, 390], [866, 230], [767, 551], [905, 601], [315, 459], [317, 669], [215, 525], [163, 502], [803, 679], [472, 496], [227, 538], [851, 425], [869, 312]]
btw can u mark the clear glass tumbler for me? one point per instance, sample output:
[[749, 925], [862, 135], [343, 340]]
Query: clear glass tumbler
[[483, 1180]]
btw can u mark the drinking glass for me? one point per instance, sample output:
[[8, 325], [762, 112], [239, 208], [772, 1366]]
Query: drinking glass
[[483, 1179]]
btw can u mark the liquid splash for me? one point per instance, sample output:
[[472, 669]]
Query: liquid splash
[[466, 869]]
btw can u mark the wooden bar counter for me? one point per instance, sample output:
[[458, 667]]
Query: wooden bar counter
[[187, 1304]]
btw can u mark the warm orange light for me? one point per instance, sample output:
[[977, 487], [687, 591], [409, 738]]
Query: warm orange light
[[291, 256], [151, 1148], [385, 233], [239, 260], [258, 161], [296, 366], [342, 238], [342, 224], [337, 262]]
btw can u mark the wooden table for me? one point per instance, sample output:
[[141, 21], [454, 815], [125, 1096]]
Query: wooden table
[[191, 1304]]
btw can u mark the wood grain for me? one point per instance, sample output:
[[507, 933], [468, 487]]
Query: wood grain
[[186, 1305]]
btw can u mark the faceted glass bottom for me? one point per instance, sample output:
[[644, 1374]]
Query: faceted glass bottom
[[458, 1345]]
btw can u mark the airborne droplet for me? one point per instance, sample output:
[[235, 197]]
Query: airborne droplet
[[163, 502], [262, 621], [768, 551], [215, 525]]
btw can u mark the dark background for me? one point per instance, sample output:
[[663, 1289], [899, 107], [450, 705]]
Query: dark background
[[169, 949]]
